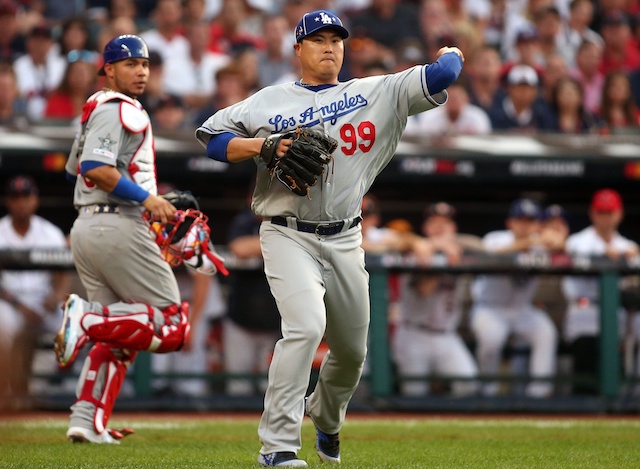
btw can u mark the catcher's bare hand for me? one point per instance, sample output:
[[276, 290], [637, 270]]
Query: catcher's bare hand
[[446, 49], [161, 209]]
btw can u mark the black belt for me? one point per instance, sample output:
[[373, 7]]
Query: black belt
[[106, 208], [320, 229]]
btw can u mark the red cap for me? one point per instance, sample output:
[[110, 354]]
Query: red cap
[[606, 200]]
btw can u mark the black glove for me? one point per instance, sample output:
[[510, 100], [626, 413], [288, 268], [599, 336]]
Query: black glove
[[298, 169], [182, 200]]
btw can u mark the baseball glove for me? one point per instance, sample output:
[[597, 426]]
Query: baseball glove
[[298, 169], [182, 200]]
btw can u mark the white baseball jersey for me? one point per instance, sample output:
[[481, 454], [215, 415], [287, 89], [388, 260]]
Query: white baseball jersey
[[31, 287], [513, 291], [440, 311], [587, 242], [352, 112]]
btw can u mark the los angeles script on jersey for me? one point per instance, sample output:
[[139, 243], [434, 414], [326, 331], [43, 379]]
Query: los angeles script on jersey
[[311, 116]]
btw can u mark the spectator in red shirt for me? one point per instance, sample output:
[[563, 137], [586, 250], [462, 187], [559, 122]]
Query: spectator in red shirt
[[620, 48], [78, 83]]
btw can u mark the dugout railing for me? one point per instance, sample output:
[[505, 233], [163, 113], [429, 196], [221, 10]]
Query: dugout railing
[[380, 376]]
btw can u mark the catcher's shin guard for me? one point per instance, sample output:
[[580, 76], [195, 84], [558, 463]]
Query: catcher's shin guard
[[136, 331], [101, 380]]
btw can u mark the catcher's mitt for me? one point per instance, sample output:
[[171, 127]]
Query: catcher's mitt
[[182, 200], [298, 169]]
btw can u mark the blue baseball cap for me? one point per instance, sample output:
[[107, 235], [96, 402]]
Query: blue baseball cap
[[317, 20], [554, 211], [525, 208]]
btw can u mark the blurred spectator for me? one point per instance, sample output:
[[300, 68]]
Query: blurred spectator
[[234, 26], [74, 35], [554, 228], [426, 341], [552, 33], [618, 109], [457, 117], [246, 58], [554, 70], [169, 114], [115, 27], [57, 11], [39, 71], [435, 27], [192, 77], [165, 38], [193, 12], [495, 27], [274, 60], [528, 50], [154, 91], [620, 48], [570, 115], [388, 22], [230, 89], [12, 43], [361, 50], [520, 111], [377, 239], [13, 108], [253, 324], [578, 28], [582, 319], [503, 305], [29, 299], [587, 72], [78, 83], [484, 72]]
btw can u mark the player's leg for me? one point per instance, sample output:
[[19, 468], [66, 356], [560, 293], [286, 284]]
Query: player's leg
[[410, 350], [347, 300], [537, 329], [453, 358], [490, 330], [299, 295], [100, 381]]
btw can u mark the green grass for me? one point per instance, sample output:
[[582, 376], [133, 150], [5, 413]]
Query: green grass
[[432, 442]]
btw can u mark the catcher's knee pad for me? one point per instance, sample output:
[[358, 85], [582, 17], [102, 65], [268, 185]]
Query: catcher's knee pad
[[101, 380], [136, 331]]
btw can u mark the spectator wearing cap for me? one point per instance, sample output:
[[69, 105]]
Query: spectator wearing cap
[[427, 340], [78, 83], [582, 320], [39, 71], [555, 228], [12, 43], [620, 47], [503, 306], [29, 299], [169, 114], [528, 50], [520, 111]]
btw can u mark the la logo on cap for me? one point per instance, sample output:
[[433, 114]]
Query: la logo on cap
[[326, 19]]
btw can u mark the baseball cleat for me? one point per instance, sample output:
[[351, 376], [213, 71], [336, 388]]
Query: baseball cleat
[[281, 459], [83, 435], [328, 447], [70, 337]]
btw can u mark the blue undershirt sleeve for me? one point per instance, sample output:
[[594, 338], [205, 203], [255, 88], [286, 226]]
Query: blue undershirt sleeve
[[217, 146], [443, 72]]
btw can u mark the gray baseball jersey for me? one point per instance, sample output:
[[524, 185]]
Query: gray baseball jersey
[[367, 117]]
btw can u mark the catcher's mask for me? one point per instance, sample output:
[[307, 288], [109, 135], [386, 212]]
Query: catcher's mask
[[185, 236]]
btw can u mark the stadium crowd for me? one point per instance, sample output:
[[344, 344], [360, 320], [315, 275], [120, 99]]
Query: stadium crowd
[[564, 66], [568, 66]]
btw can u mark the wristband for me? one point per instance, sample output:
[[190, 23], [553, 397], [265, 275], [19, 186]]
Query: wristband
[[129, 190]]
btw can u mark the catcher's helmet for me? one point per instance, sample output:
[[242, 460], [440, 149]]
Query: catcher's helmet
[[123, 47]]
